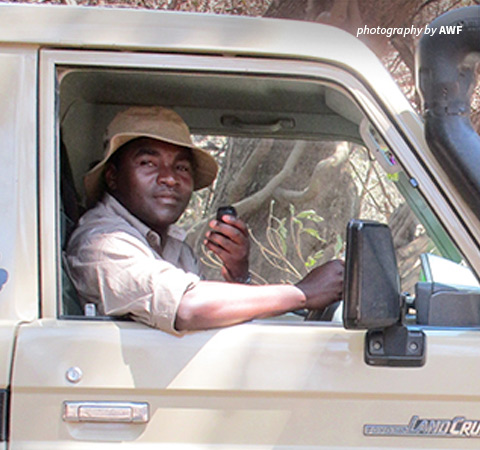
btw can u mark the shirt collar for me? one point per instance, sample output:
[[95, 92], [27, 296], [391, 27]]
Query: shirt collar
[[112, 203]]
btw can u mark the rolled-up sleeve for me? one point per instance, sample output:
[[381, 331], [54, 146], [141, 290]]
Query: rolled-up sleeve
[[123, 276]]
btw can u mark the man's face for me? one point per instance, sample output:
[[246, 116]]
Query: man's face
[[153, 180]]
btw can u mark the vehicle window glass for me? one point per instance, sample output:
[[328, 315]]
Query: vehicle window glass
[[297, 197]]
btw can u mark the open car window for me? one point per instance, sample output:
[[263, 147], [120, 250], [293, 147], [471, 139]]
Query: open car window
[[298, 159]]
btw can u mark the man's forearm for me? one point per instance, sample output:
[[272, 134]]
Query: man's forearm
[[214, 304]]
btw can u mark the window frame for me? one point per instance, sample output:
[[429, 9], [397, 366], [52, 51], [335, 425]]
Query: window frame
[[453, 220]]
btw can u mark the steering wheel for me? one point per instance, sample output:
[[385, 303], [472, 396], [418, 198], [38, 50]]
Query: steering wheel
[[323, 315]]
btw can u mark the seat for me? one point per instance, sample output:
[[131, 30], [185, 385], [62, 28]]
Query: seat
[[70, 211]]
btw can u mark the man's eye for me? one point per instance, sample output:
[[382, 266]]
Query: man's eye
[[147, 163], [184, 168]]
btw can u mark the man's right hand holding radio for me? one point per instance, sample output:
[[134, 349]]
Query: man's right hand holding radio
[[228, 239]]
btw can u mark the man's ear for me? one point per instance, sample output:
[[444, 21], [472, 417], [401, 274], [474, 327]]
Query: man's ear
[[111, 177]]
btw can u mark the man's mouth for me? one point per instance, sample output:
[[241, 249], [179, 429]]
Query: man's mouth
[[167, 197]]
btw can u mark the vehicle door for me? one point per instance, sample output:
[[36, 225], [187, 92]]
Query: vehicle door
[[287, 382]]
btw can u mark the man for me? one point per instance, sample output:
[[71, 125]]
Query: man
[[127, 257]]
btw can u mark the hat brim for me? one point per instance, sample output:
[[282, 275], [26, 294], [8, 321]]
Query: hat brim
[[205, 171]]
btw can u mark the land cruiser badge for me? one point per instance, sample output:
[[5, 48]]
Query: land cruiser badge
[[458, 427]]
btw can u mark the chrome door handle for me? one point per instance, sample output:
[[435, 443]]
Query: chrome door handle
[[111, 412]]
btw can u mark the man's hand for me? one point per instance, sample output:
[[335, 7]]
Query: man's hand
[[323, 285], [229, 240]]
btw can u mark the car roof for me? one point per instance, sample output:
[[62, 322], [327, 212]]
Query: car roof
[[130, 29]]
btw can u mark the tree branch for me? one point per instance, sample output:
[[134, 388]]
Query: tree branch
[[256, 200], [244, 178], [404, 48], [316, 182]]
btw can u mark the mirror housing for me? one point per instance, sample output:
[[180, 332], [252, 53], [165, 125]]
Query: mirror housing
[[444, 305], [373, 298], [372, 284]]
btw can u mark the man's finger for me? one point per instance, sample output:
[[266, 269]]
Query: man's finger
[[229, 231], [219, 240], [235, 222], [219, 251]]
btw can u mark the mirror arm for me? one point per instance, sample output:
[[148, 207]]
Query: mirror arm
[[396, 345]]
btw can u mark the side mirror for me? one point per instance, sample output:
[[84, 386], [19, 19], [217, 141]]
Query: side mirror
[[373, 299], [372, 284], [449, 296]]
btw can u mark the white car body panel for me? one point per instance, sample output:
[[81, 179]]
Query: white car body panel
[[259, 385]]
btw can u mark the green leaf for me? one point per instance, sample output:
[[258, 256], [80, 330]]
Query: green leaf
[[393, 176], [310, 214], [338, 244], [310, 262], [307, 214], [297, 222], [314, 233], [316, 218], [282, 229]]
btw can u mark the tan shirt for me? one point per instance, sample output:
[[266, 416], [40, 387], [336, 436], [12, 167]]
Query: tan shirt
[[116, 262]]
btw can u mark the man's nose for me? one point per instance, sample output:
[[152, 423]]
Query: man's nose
[[166, 175]]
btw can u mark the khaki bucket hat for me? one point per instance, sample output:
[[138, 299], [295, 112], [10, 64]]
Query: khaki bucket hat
[[154, 122]]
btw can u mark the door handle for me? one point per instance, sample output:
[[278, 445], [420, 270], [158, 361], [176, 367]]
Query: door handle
[[111, 412], [271, 127]]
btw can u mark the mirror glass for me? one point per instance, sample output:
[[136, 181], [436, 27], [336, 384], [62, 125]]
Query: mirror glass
[[372, 282]]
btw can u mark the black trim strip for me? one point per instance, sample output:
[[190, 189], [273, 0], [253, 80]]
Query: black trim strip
[[4, 407]]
